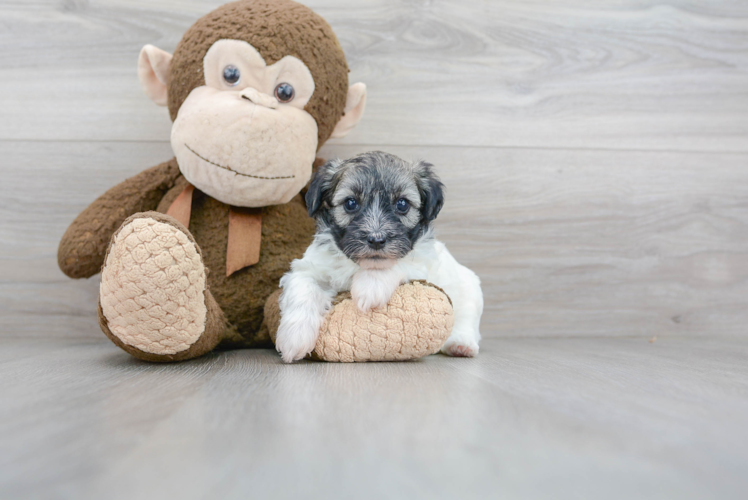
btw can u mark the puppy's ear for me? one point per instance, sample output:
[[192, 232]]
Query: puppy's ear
[[320, 185], [431, 188]]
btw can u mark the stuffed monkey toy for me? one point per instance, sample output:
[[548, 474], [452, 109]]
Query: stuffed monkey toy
[[191, 250]]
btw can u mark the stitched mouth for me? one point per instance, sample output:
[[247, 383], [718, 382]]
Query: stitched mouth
[[234, 171]]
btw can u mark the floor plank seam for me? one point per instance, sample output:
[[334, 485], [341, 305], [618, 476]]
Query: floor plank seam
[[433, 146]]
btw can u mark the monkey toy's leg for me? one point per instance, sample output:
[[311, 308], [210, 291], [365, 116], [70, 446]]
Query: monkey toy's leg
[[82, 247], [154, 302]]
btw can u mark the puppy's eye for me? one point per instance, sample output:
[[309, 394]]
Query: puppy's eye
[[350, 205], [284, 92], [402, 205], [231, 75]]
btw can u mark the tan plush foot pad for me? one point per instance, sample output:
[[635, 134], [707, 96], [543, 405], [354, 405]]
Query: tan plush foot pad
[[415, 323], [153, 287]]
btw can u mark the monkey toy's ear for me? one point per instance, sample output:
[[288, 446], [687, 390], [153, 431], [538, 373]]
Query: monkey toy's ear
[[153, 72], [354, 110]]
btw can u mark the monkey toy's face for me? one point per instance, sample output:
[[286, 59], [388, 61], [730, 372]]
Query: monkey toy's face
[[251, 107], [244, 137]]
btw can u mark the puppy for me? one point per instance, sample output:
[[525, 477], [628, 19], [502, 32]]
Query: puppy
[[374, 215]]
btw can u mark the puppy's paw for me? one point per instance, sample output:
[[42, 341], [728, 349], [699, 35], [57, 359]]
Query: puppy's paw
[[372, 289], [369, 299], [294, 342], [460, 348]]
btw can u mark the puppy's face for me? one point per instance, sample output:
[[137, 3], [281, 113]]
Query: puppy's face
[[375, 205]]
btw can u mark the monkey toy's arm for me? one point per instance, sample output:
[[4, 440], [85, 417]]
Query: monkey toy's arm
[[83, 246]]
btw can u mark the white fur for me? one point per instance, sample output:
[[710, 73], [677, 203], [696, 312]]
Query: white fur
[[324, 271], [372, 288]]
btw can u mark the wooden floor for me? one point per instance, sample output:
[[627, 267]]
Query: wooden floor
[[530, 418], [596, 160]]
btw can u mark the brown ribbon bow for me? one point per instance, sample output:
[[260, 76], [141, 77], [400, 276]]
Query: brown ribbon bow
[[245, 230]]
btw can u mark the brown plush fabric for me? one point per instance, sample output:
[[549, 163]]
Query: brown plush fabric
[[171, 195], [273, 313], [84, 244], [215, 323], [235, 303], [276, 28], [287, 231], [415, 323], [318, 162]]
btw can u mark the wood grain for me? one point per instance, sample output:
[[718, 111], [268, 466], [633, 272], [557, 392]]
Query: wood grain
[[567, 243], [636, 74], [529, 418], [568, 240], [595, 160]]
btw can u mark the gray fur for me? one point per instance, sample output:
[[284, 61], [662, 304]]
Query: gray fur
[[376, 180]]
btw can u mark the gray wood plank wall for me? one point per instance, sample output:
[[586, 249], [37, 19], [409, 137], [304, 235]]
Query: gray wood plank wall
[[595, 153]]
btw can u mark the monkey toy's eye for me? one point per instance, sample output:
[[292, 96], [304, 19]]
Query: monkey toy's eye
[[350, 205], [231, 75], [402, 205], [284, 92]]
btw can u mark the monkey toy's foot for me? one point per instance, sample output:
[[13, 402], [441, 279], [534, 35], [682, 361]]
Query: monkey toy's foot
[[153, 299]]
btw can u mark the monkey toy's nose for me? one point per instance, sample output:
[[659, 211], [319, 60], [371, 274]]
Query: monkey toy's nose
[[257, 97], [376, 241]]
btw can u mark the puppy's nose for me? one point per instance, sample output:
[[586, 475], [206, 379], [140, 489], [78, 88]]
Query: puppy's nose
[[376, 241]]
